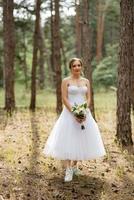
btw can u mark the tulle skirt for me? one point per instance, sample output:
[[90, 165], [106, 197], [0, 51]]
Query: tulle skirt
[[68, 141]]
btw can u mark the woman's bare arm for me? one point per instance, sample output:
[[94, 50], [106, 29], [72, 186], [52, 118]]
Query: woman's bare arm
[[65, 94], [88, 94]]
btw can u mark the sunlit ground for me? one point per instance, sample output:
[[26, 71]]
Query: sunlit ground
[[25, 174]]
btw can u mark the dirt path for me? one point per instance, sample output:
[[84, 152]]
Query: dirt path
[[25, 174]]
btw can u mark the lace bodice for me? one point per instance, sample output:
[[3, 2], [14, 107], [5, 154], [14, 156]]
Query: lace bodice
[[76, 94]]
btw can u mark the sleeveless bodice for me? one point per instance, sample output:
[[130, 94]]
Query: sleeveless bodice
[[76, 94]]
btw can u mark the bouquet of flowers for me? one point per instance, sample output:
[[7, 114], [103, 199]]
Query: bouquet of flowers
[[80, 111]]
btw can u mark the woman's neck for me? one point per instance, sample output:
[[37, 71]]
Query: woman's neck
[[77, 77]]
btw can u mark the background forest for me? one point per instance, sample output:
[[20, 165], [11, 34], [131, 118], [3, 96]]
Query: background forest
[[37, 40], [104, 38]]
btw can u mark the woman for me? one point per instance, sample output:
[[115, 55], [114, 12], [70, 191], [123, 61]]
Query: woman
[[67, 140]]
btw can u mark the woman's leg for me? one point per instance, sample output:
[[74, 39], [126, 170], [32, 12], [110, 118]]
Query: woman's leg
[[76, 170], [74, 163], [69, 171], [67, 164]]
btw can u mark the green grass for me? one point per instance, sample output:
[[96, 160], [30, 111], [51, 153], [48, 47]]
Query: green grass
[[47, 98], [105, 100]]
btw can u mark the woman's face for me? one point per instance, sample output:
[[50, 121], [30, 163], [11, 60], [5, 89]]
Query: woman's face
[[76, 68]]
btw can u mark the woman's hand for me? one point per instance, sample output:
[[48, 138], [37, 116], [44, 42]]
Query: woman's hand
[[80, 120]]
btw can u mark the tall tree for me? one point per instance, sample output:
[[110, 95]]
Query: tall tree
[[102, 6], [86, 47], [35, 55], [64, 59], [57, 55], [124, 132], [9, 51], [25, 60], [100, 30], [52, 40], [78, 28], [41, 45], [132, 65]]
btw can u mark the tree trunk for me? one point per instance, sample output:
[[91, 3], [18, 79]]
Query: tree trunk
[[101, 8], [52, 42], [35, 56], [57, 55], [25, 61], [124, 132], [9, 52], [132, 66], [64, 59], [1, 74], [78, 29], [86, 48], [41, 59]]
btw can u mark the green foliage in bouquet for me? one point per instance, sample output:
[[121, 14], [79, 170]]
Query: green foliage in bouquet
[[79, 111]]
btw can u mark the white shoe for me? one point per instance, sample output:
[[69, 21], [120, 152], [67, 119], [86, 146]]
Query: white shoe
[[68, 175], [76, 171]]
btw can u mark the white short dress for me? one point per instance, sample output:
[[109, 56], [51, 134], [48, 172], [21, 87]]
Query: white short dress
[[67, 140]]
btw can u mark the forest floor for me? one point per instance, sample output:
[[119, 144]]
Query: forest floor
[[25, 174]]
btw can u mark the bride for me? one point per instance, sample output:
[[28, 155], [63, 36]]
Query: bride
[[67, 141]]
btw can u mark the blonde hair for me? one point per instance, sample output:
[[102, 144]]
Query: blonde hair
[[73, 60]]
